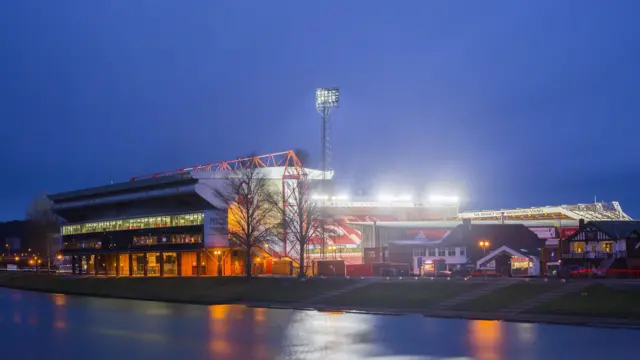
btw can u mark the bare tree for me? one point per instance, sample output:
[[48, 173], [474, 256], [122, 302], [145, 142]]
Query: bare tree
[[42, 224], [248, 196], [300, 220]]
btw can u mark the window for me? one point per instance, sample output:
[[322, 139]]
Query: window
[[451, 252], [419, 252], [144, 240], [432, 251], [86, 244], [184, 239], [462, 251], [606, 246], [167, 239], [578, 247], [137, 223]]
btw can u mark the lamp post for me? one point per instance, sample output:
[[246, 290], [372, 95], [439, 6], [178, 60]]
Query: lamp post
[[333, 248], [484, 244], [218, 254]]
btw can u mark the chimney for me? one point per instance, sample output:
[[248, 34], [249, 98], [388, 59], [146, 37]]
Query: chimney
[[581, 222], [467, 222]]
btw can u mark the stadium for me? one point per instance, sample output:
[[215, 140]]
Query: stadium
[[169, 223]]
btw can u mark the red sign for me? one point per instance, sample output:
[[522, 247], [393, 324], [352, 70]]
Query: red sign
[[565, 232]]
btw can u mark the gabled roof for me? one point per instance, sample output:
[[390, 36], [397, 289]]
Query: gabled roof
[[505, 250], [613, 229]]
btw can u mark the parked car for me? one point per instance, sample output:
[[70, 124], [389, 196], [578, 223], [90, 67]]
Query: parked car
[[462, 273], [575, 271]]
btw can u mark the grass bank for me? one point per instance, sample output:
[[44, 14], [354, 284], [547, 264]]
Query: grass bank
[[506, 297], [410, 294], [598, 300], [204, 290]]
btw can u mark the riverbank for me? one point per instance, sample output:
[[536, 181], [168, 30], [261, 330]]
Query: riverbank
[[578, 303]]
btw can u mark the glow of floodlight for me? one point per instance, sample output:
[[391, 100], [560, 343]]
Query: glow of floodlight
[[340, 197], [392, 198], [319, 197], [442, 199]]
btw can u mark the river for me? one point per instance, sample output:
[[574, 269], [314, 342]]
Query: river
[[52, 326]]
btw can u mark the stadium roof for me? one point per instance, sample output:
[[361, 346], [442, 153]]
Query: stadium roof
[[588, 212], [454, 223], [122, 187]]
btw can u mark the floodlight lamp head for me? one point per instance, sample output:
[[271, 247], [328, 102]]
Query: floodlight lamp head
[[327, 98]]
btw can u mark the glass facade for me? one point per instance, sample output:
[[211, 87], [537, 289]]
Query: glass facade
[[170, 264], [166, 263], [153, 264], [137, 262], [170, 239], [135, 224], [86, 244], [124, 264]]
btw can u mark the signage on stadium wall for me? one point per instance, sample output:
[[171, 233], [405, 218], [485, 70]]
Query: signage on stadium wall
[[483, 214], [216, 229], [544, 233]]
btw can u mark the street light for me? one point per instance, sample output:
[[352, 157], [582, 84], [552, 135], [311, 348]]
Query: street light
[[484, 244], [333, 248], [218, 254]]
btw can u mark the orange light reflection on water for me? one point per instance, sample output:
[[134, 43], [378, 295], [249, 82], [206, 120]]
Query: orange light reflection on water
[[60, 311], [219, 330], [486, 339], [59, 300]]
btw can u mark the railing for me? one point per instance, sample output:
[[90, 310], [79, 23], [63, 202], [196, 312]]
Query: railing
[[586, 255], [595, 255]]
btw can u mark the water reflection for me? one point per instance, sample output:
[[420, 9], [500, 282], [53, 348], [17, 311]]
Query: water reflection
[[69, 326], [486, 339]]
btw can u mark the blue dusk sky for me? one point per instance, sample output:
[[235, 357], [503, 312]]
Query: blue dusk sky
[[508, 103]]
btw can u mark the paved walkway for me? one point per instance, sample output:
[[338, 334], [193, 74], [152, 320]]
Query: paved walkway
[[562, 290], [490, 287], [356, 285]]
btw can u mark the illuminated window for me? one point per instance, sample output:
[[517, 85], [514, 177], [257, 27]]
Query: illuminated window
[[578, 247], [144, 240], [606, 246], [134, 224]]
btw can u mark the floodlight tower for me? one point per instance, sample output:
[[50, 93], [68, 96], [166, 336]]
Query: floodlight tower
[[326, 100]]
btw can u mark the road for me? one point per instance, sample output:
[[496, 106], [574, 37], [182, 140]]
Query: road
[[50, 326]]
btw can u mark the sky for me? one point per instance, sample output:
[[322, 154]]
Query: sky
[[508, 103]]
